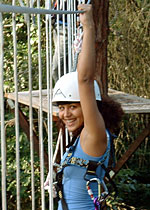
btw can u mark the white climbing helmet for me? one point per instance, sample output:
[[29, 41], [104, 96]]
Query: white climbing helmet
[[66, 89]]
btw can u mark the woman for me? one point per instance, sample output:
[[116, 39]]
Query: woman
[[77, 95]]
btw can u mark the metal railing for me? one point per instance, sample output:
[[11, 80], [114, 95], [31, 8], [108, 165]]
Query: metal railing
[[31, 11]]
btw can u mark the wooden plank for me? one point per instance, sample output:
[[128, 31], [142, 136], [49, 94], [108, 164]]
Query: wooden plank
[[130, 103], [23, 98]]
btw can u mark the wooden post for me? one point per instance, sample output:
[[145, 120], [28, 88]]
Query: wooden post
[[100, 8], [131, 150]]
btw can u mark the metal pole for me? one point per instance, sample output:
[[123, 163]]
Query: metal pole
[[31, 113], [2, 123], [49, 99], [64, 40], [40, 113], [72, 31], [51, 115], [69, 37], [58, 40], [75, 19], [16, 9], [16, 109]]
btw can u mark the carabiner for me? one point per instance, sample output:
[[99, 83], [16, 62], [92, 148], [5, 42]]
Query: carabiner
[[90, 192], [101, 195], [105, 193]]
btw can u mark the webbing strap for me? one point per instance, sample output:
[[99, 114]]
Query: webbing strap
[[63, 202], [109, 178], [59, 188], [71, 160]]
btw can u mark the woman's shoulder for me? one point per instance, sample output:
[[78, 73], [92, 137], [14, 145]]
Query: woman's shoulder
[[79, 152]]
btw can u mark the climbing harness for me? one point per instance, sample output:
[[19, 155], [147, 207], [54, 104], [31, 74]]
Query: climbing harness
[[90, 167]]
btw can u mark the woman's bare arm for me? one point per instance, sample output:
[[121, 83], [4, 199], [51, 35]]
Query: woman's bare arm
[[93, 136]]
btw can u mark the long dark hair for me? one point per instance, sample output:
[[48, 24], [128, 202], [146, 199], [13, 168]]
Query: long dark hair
[[112, 113]]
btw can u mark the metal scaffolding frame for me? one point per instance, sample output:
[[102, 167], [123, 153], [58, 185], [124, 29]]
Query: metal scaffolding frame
[[69, 32]]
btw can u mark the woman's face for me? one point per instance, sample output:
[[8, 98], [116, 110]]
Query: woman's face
[[71, 115]]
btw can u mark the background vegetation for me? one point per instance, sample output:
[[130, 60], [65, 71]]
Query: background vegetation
[[128, 71]]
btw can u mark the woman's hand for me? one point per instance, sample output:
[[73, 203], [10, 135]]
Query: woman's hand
[[86, 18]]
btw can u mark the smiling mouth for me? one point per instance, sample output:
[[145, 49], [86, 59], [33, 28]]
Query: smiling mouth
[[69, 122]]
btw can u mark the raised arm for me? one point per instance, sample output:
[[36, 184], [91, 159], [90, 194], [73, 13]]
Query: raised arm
[[93, 136]]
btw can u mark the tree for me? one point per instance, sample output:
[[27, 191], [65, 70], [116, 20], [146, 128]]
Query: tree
[[100, 8]]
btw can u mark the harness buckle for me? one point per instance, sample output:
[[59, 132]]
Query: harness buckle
[[91, 169]]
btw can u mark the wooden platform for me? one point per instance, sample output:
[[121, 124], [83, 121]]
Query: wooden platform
[[129, 103]]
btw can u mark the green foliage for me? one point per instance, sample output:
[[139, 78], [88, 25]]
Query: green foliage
[[128, 71], [22, 53], [129, 189], [25, 168], [132, 180], [129, 46]]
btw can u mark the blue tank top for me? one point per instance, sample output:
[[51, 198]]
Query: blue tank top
[[74, 185]]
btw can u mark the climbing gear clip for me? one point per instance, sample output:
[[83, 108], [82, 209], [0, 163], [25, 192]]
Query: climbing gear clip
[[101, 195]]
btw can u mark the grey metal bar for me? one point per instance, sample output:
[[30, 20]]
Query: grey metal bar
[[2, 123], [51, 115], [16, 110], [28, 10], [49, 94], [58, 40], [61, 147], [74, 37], [40, 113], [69, 37], [31, 113], [64, 40], [75, 19], [72, 30]]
